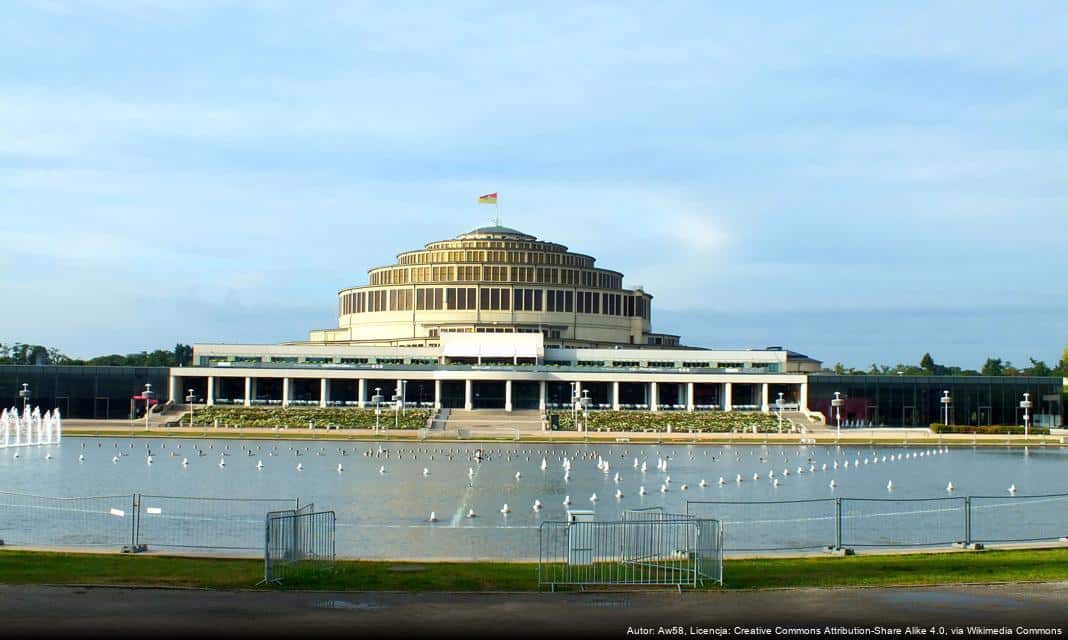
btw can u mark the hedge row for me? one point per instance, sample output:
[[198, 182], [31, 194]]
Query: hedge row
[[680, 421], [296, 417], [989, 429]]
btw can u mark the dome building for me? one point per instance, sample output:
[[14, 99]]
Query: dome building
[[494, 280], [495, 319]]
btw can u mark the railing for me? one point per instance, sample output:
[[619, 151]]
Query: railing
[[298, 542], [136, 521], [650, 548], [836, 523]]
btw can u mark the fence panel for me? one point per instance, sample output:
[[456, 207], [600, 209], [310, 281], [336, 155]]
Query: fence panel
[[1019, 518], [710, 550], [208, 524], [298, 543], [91, 521], [650, 548], [890, 522], [758, 526]]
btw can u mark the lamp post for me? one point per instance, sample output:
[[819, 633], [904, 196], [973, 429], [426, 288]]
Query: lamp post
[[147, 394], [191, 398], [946, 401], [779, 403], [1026, 404], [585, 402], [837, 403], [574, 405], [24, 393], [398, 400], [377, 400], [403, 395]]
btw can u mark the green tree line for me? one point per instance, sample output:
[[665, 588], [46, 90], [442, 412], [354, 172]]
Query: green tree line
[[992, 367], [21, 353]]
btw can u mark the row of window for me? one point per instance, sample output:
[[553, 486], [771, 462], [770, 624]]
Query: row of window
[[495, 273], [494, 299], [507, 257]]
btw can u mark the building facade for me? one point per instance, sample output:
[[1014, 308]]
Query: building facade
[[497, 319], [493, 280]]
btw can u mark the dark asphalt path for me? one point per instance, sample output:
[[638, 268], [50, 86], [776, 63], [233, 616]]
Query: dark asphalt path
[[153, 613]]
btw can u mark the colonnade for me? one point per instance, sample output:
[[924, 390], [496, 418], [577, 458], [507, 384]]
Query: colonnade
[[683, 392]]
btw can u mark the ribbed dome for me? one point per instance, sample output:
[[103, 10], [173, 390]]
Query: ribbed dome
[[497, 230]]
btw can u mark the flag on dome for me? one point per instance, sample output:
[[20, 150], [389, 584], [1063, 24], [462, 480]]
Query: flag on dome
[[489, 198]]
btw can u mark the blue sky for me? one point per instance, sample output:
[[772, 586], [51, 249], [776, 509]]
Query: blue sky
[[861, 182]]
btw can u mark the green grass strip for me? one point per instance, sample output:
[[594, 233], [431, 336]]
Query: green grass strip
[[26, 567]]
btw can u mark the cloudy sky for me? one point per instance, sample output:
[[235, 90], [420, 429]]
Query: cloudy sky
[[860, 182]]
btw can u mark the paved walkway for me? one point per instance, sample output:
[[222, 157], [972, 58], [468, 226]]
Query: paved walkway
[[152, 613]]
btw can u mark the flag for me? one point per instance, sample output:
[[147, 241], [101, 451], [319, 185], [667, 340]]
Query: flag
[[489, 198]]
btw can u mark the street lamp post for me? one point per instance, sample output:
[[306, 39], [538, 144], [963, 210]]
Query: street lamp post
[[191, 398], [946, 401], [147, 394], [24, 393], [585, 402], [837, 403], [574, 405], [779, 403], [377, 400], [1026, 405]]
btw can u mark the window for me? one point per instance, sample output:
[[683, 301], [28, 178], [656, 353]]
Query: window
[[569, 299]]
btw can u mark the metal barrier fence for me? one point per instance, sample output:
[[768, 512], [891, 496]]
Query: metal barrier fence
[[223, 524], [648, 548], [297, 542], [801, 525], [90, 521], [136, 521]]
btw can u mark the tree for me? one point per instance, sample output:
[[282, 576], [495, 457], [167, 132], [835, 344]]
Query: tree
[[183, 355], [1038, 368], [927, 363], [992, 367]]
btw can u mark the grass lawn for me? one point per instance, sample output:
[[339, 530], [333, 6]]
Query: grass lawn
[[25, 567]]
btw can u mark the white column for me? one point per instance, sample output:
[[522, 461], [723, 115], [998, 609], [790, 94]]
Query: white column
[[507, 395], [541, 395], [211, 390], [615, 396], [727, 397], [467, 395], [764, 406], [361, 393], [324, 391], [654, 397], [285, 392], [172, 388], [689, 397], [255, 386], [248, 391], [802, 398], [437, 394]]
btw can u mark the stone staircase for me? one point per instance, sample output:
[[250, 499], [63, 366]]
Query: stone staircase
[[494, 420]]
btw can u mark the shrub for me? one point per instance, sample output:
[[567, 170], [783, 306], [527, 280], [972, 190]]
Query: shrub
[[988, 429], [296, 417], [680, 421]]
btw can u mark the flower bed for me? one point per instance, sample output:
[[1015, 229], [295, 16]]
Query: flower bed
[[989, 429], [296, 417], [680, 421]]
